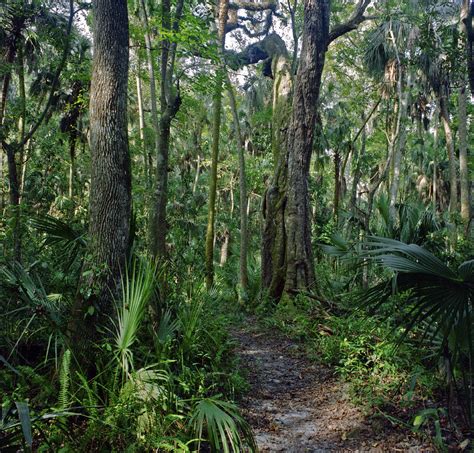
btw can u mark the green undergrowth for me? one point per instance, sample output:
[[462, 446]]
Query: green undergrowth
[[166, 378], [382, 372]]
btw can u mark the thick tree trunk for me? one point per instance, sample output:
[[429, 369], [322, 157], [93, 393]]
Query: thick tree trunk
[[463, 165], [299, 253], [110, 193], [287, 257], [273, 232]]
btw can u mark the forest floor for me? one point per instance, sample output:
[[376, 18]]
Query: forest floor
[[295, 405]]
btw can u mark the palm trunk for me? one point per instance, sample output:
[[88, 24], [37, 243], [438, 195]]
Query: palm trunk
[[398, 139]]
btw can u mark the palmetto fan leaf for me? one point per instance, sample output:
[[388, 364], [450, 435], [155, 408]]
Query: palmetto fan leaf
[[59, 233], [222, 425], [438, 296], [438, 303]]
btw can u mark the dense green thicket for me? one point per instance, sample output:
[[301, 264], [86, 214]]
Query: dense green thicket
[[388, 215]]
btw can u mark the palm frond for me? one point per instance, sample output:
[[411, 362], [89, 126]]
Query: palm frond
[[70, 242], [219, 423], [138, 284]]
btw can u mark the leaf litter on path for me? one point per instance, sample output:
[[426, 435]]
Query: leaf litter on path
[[298, 406]]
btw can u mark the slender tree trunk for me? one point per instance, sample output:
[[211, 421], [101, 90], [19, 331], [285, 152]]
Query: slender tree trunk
[[435, 166], [223, 8], [216, 128], [110, 193], [170, 103], [22, 119], [141, 124], [243, 274], [225, 248], [13, 178], [9, 59], [198, 172], [398, 140], [453, 189], [337, 184], [14, 200], [463, 165], [151, 75], [358, 156]]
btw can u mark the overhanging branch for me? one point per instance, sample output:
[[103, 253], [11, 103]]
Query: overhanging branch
[[352, 23]]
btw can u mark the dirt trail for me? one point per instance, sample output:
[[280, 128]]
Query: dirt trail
[[296, 406]]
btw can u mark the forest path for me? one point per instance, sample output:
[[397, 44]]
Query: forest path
[[297, 406]]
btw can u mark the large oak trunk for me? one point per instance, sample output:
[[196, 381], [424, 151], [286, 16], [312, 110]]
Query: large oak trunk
[[288, 227], [110, 193]]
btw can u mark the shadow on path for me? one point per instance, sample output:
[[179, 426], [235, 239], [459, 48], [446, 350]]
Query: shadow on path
[[298, 406]]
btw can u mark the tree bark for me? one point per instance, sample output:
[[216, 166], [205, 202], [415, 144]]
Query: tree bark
[[337, 184], [453, 189], [243, 271], [273, 232], [467, 15], [223, 8], [170, 102], [110, 192], [299, 254], [287, 256], [211, 212], [141, 125], [463, 165]]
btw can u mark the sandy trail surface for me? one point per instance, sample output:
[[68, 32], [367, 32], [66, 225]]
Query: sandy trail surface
[[295, 405]]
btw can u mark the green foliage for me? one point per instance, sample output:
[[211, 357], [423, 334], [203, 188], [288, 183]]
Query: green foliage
[[438, 303], [363, 350], [226, 429], [138, 284], [64, 380]]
